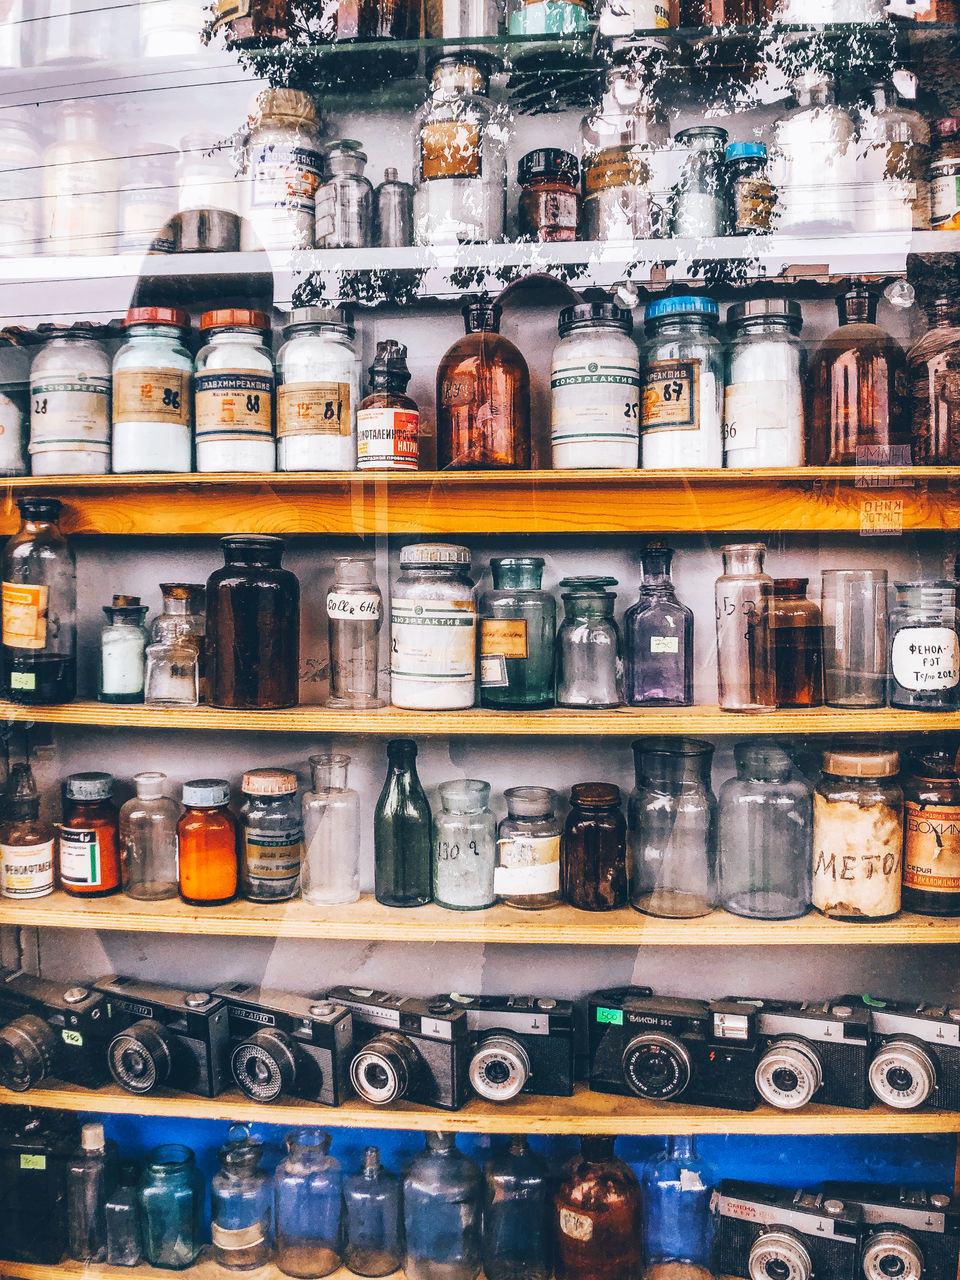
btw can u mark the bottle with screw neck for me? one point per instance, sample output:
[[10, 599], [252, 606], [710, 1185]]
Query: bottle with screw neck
[[394, 212], [388, 421], [516, 1214], [26, 843], [441, 1212], [91, 1174], [373, 1228]]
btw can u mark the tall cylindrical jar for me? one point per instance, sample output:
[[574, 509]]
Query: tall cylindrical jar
[[234, 392], [80, 182], [207, 870], [88, 840], [123, 643], [70, 383], [331, 834], [681, 407], [271, 828], [744, 608], [241, 1204], [854, 613], [925, 646], [318, 373], [373, 1219], [765, 365], [441, 1212], [595, 389], [465, 846], [21, 179], [148, 840], [433, 627], [152, 393], [518, 623], [283, 167], [593, 848], [307, 1206], [354, 620], [528, 850]]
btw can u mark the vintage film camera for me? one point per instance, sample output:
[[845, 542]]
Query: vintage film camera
[[520, 1044], [51, 1029], [166, 1037], [663, 1049], [284, 1044], [406, 1048], [766, 1233], [908, 1232], [916, 1055]]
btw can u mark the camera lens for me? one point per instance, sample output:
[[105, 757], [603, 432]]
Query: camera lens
[[384, 1068], [656, 1066], [902, 1075], [779, 1255], [891, 1253], [28, 1049], [141, 1057], [265, 1065], [499, 1068], [788, 1075]]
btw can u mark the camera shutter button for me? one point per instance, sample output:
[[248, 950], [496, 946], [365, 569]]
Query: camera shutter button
[[833, 1206], [74, 995], [842, 1011], [940, 1201], [546, 1004], [322, 1009], [197, 999], [954, 1015]]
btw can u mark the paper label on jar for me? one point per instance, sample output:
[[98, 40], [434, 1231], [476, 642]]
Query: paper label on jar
[[506, 636], [25, 615], [664, 644], [284, 176], [226, 10], [616, 167], [931, 851], [152, 395], [313, 409], [527, 865], [576, 1225], [79, 857], [229, 1238], [596, 402], [26, 871], [450, 149], [70, 414], [857, 864], [365, 606], [925, 658], [671, 396], [272, 858], [433, 639], [230, 404], [388, 438], [945, 198]]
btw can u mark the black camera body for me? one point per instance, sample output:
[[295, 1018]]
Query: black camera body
[[520, 1044], [285, 1044], [666, 1049], [916, 1056], [908, 1232], [51, 1029], [765, 1232], [162, 1036], [418, 1050]]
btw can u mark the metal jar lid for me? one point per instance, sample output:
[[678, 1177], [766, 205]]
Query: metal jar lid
[[548, 162], [587, 313], [335, 317], [861, 764], [206, 793], [269, 782], [426, 553], [761, 308], [88, 786]]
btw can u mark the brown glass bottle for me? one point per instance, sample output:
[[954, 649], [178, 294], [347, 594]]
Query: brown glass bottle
[[253, 627], [797, 630], [388, 420], [88, 840], [858, 408], [207, 836], [388, 20], [934, 365], [740, 13], [593, 850], [931, 835], [254, 23], [597, 1216], [483, 397]]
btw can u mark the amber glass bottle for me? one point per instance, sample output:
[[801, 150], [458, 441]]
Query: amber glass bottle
[[207, 835], [797, 632], [253, 23], [931, 835], [934, 364], [483, 397], [593, 851], [597, 1216], [859, 410], [88, 842]]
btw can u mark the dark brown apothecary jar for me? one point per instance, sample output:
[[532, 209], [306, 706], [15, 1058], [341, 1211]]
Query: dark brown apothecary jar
[[253, 628], [593, 850], [931, 834], [797, 631]]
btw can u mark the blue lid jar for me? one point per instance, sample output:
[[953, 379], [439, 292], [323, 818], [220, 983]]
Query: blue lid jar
[[746, 151], [668, 308]]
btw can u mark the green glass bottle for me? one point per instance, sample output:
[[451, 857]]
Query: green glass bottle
[[402, 832], [518, 624]]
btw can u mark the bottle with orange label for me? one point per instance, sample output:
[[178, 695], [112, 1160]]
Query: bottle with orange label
[[88, 842], [518, 623], [931, 835], [388, 421], [152, 396], [318, 370], [234, 393]]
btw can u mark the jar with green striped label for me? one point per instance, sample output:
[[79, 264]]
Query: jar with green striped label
[[595, 389]]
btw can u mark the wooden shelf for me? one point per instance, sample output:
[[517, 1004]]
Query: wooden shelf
[[560, 926], [203, 1269]]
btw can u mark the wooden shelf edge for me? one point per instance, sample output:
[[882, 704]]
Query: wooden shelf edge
[[203, 1269]]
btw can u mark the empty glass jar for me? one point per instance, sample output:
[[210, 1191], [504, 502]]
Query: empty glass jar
[[241, 1204], [465, 846], [171, 1202], [589, 649], [744, 599], [372, 1219], [854, 608], [354, 619], [518, 623], [528, 850], [148, 840], [441, 1212], [330, 871], [306, 1206]]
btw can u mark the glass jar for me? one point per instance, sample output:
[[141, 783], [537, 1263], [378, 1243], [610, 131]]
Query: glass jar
[[637, 19], [21, 179], [172, 677], [318, 370], [80, 182], [354, 619], [925, 646], [766, 365], [596, 1216], [672, 823], [148, 841], [797, 639], [744, 605], [345, 199], [241, 1207], [854, 608], [766, 835], [858, 836], [931, 835], [88, 840], [659, 637], [253, 627], [146, 220], [402, 832], [433, 626], [186, 604], [677, 1223], [528, 850], [516, 1214], [461, 19], [152, 396], [121, 1212], [681, 403], [589, 650], [593, 849], [393, 206], [934, 366], [751, 196], [207, 865], [14, 401], [123, 643], [549, 206], [373, 1219], [518, 623], [307, 1212], [70, 379], [548, 17], [171, 1202], [331, 834], [945, 174], [233, 393], [459, 164], [814, 167], [209, 196], [698, 207], [465, 846], [26, 841], [388, 420], [893, 160], [441, 1212], [271, 830], [595, 389], [283, 167]]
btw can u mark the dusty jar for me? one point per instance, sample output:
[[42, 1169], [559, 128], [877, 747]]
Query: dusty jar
[[70, 405], [271, 836], [318, 374], [152, 396], [233, 393], [433, 629], [283, 172]]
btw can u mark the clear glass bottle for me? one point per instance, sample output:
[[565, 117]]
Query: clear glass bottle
[[766, 364], [283, 167], [744, 604], [766, 835], [354, 620], [934, 368], [318, 372], [307, 1206], [931, 821], [597, 1207], [528, 850], [658, 631], [589, 648], [152, 394], [171, 1205], [814, 163], [123, 644], [393, 206], [402, 832], [88, 839], [186, 602], [593, 849], [345, 199], [14, 394], [672, 828], [331, 834], [797, 641], [854, 610], [26, 841], [207, 866], [465, 846], [388, 420], [80, 182], [122, 1217], [373, 1219], [893, 157], [751, 196], [70, 390], [271, 831], [172, 676], [433, 629], [90, 1177], [516, 1214], [441, 1212], [233, 393], [924, 642], [698, 207], [677, 1224], [681, 392], [518, 623], [148, 840], [241, 1204]]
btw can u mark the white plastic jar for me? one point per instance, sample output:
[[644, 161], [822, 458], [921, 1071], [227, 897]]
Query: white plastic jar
[[433, 629], [283, 170], [318, 373], [233, 393], [595, 389], [681, 413], [152, 402], [70, 405]]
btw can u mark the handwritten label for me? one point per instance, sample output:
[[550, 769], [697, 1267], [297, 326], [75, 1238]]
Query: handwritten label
[[353, 604], [926, 658]]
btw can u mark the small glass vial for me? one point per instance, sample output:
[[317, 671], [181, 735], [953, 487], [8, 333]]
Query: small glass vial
[[283, 167], [207, 866], [751, 196], [393, 205], [518, 623], [698, 207], [354, 619], [272, 836], [388, 420], [433, 627], [931, 823], [593, 850], [123, 643], [345, 200], [122, 1214], [925, 646], [26, 842], [241, 1204], [318, 369], [331, 834], [172, 670], [744, 603], [171, 1205], [373, 1219], [589, 649], [659, 637], [233, 393], [858, 836], [307, 1206], [549, 205], [797, 641], [152, 395], [90, 1173], [88, 845], [681, 413], [148, 841], [465, 846], [527, 875], [70, 382], [765, 365]]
